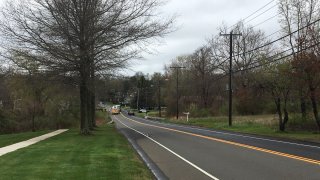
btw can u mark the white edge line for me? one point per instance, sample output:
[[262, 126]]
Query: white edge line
[[231, 134], [182, 158]]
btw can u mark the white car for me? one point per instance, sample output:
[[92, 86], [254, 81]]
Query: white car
[[142, 111]]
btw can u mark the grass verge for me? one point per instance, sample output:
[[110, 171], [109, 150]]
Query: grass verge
[[258, 125], [8, 139], [104, 155]]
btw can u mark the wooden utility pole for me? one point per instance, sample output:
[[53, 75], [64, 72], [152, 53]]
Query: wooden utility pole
[[230, 73], [177, 88]]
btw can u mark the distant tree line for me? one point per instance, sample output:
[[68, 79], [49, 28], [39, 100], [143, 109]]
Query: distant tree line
[[272, 75]]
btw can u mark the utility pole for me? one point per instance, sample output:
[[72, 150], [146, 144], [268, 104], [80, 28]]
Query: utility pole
[[177, 88], [138, 94], [230, 73], [159, 98]]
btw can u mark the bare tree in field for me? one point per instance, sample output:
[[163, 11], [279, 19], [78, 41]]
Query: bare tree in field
[[244, 53], [203, 68], [81, 37]]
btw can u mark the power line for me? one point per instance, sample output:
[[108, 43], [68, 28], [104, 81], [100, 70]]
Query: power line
[[276, 40], [265, 20], [270, 43], [268, 62], [273, 33], [261, 14], [253, 13], [278, 59]]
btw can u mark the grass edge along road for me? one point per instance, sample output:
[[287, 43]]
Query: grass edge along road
[[242, 126], [106, 154]]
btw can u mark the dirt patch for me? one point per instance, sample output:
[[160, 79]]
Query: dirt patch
[[100, 121]]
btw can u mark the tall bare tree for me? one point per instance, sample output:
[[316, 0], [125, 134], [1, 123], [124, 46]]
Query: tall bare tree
[[299, 15], [81, 37], [246, 50], [203, 67]]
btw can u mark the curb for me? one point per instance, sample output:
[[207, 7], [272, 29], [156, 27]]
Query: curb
[[150, 164]]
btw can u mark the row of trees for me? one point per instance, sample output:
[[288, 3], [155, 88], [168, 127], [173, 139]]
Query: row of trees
[[263, 71], [36, 101], [279, 76]]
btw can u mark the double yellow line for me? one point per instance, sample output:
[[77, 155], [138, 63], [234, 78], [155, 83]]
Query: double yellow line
[[234, 143]]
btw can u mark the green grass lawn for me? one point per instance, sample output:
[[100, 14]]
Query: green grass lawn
[[8, 139], [104, 155]]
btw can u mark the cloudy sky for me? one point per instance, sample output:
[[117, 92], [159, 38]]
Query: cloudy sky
[[198, 20]]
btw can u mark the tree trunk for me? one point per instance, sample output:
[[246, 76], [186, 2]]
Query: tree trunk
[[285, 119], [84, 93], [93, 100], [314, 107], [303, 106], [33, 115], [278, 105]]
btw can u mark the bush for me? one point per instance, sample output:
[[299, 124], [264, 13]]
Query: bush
[[198, 112], [296, 122]]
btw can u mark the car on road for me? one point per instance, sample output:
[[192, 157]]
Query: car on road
[[130, 112], [116, 109], [142, 111]]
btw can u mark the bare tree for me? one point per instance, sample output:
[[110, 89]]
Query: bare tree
[[247, 52], [275, 80], [84, 37], [203, 69], [299, 15]]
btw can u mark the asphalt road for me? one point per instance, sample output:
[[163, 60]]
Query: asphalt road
[[182, 152]]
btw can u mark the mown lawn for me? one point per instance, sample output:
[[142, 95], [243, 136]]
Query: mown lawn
[[8, 139], [104, 155]]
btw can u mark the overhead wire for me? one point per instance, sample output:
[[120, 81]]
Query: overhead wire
[[269, 62], [265, 20], [271, 57], [261, 14], [252, 13], [278, 39], [278, 59]]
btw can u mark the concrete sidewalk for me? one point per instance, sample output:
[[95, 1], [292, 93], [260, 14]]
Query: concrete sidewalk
[[14, 147]]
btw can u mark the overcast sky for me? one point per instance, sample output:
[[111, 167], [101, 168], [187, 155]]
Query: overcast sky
[[197, 20]]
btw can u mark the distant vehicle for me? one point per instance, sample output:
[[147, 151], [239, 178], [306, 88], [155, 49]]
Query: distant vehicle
[[130, 113], [116, 109], [142, 111]]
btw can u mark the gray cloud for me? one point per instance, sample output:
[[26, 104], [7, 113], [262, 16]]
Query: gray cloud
[[198, 20]]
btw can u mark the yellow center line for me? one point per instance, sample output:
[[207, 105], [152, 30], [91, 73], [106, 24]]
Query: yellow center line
[[313, 161]]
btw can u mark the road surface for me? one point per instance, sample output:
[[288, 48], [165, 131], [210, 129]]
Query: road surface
[[182, 152]]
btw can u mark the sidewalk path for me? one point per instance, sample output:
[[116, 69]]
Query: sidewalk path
[[14, 147]]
